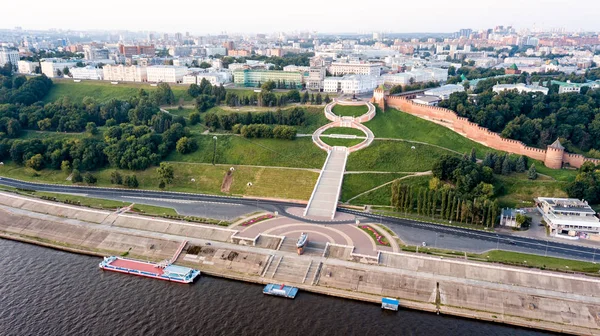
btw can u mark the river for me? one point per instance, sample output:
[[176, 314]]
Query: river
[[50, 292]]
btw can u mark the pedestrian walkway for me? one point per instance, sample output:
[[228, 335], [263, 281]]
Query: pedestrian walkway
[[324, 198]]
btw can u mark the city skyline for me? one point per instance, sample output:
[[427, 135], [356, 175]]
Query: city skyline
[[270, 16]]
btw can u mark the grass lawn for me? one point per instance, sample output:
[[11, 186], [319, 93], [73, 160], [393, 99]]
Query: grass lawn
[[184, 112], [350, 110], [395, 124], [382, 196], [522, 259], [103, 90], [394, 156], [266, 182], [301, 153], [355, 184], [344, 130], [517, 191], [341, 141]]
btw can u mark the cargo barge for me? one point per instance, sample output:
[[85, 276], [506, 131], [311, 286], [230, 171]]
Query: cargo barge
[[281, 290], [151, 270]]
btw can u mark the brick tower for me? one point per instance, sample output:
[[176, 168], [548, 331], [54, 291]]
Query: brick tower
[[379, 97], [554, 155]]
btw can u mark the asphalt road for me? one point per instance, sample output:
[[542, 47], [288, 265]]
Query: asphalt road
[[412, 232]]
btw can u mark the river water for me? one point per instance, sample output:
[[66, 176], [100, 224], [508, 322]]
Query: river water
[[49, 292]]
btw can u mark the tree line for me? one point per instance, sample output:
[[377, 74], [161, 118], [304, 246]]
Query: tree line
[[265, 131], [534, 118], [295, 116], [444, 204]]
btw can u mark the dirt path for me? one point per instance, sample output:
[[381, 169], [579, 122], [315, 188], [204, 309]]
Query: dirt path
[[383, 185]]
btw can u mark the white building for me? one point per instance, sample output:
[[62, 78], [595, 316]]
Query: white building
[[123, 73], [26, 67], [445, 91], [316, 76], [166, 73], [427, 100], [9, 56], [350, 84], [215, 78], [568, 215], [354, 68], [296, 68], [88, 72], [51, 66], [420, 75], [520, 87]]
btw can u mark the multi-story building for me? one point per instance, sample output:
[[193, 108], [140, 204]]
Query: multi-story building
[[350, 84], [254, 78], [166, 73], [88, 72], [129, 51], [520, 87], [445, 91], [316, 76], [566, 87], [9, 56], [238, 53], [354, 68], [214, 78], [26, 67], [420, 75], [296, 68], [51, 66], [568, 215], [123, 73], [91, 53]]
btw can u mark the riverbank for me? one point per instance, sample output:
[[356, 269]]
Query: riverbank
[[522, 297]]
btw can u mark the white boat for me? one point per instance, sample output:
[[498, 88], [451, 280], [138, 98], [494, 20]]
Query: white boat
[[302, 240]]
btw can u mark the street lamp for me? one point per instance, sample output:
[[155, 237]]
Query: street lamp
[[498, 242], [215, 150]]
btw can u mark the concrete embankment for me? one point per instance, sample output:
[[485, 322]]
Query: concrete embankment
[[530, 298]]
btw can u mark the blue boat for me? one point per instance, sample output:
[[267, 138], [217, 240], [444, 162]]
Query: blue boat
[[281, 290], [390, 304]]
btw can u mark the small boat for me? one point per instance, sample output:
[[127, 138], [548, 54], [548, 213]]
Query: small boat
[[390, 304], [302, 240], [281, 290]]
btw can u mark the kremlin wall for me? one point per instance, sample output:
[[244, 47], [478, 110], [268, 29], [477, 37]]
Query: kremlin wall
[[553, 157]]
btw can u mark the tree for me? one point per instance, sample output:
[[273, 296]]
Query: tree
[[305, 98], [205, 102], [116, 178], [164, 95], [327, 100], [506, 166], [89, 178], [194, 90], [532, 173], [65, 167], [521, 165], [319, 99], [523, 221], [165, 172], [76, 176], [268, 86], [66, 71], [131, 181], [36, 162], [473, 155], [194, 118], [186, 145], [91, 128]]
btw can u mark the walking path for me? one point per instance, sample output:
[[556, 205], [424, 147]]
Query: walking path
[[387, 183], [325, 195]]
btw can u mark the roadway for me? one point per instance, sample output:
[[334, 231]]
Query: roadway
[[411, 232]]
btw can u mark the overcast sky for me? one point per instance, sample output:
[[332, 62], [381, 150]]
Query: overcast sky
[[327, 16]]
